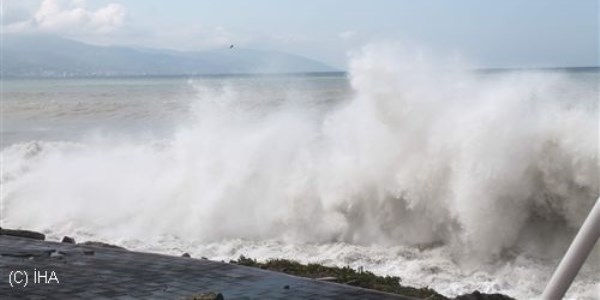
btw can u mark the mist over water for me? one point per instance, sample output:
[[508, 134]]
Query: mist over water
[[456, 178]]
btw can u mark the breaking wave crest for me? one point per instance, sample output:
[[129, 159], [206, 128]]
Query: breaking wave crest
[[419, 155]]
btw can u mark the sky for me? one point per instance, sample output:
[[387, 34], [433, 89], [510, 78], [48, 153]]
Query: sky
[[507, 33]]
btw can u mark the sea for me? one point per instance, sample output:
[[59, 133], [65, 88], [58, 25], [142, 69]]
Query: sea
[[449, 178]]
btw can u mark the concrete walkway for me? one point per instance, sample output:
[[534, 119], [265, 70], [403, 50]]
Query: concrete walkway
[[50, 270]]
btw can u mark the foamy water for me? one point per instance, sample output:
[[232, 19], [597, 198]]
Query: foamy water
[[450, 179]]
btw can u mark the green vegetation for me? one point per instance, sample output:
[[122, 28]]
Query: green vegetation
[[205, 296], [345, 275]]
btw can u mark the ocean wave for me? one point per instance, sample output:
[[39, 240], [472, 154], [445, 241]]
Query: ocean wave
[[483, 166]]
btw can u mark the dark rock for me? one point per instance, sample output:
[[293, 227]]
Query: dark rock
[[101, 244], [286, 287], [88, 252], [186, 255], [30, 253], [68, 240], [23, 233], [476, 295]]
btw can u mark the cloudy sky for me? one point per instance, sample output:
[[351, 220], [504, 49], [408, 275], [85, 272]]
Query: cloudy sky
[[508, 33]]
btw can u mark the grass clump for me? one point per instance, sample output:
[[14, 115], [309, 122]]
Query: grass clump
[[344, 275]]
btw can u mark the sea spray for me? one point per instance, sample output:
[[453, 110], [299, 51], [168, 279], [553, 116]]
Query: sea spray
[[488, 165]]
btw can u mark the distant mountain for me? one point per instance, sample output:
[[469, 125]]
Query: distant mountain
[[51, 56]]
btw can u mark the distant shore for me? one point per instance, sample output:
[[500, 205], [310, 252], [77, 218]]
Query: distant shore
[[579, 69]]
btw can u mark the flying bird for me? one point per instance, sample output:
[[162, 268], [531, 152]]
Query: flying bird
[[230, 46]]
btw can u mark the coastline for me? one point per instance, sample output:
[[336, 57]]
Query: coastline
[[346, 281]]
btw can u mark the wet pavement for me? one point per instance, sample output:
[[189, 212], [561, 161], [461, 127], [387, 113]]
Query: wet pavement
[[33, 269]]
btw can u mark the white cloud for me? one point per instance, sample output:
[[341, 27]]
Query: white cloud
[[71, 17], [16, 11]]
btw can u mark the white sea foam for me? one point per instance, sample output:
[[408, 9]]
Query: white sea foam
[[490, 175]]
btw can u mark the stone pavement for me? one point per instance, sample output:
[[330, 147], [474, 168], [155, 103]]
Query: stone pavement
[[51, 270]]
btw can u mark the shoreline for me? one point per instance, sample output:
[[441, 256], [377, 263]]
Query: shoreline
[[342, 277]]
